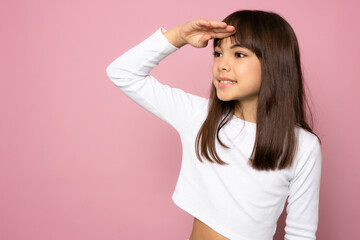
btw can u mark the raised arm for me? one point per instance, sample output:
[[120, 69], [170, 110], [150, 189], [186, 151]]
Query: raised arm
[[130, 72]]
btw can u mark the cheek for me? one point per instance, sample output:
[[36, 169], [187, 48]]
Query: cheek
[[214, 69], [258, 70], [214, 74], [257, 75], [254, 70]]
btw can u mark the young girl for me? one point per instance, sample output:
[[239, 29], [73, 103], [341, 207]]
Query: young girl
[[248, 147]]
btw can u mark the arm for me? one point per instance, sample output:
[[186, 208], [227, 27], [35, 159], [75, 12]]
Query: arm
[[303, 202], [130, 73]]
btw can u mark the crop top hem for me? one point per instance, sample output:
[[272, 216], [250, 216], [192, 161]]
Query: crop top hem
[[205, 219]]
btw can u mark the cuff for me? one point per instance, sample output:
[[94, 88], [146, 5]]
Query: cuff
[[161, 37]]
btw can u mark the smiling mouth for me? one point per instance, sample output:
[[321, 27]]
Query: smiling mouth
[[226, 81]]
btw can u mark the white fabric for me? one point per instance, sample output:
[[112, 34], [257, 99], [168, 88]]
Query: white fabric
[[237, 201]]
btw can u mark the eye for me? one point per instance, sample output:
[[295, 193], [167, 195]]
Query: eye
[[241, 55], [237, 54], [216, 54]]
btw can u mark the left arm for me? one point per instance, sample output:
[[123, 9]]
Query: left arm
[[304, 190]]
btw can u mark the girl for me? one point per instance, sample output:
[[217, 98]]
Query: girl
[[247, 148]]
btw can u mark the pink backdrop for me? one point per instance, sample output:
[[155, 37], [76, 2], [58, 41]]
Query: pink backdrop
[[79, 160]]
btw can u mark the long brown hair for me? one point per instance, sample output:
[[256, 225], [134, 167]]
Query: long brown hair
[[281, 102]]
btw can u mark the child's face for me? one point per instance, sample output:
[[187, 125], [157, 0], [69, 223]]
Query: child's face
[[240, 65]]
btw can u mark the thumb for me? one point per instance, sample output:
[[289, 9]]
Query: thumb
[[205, 38]]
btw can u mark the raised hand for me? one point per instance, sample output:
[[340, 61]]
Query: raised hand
[[198, 32]]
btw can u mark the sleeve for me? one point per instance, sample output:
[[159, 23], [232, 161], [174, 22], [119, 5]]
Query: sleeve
[[304, 190], [130, 73]]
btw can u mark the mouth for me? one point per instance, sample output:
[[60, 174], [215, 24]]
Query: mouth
[[225, 82]]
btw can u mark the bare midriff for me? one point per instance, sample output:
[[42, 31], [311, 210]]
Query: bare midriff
[[201, 231]]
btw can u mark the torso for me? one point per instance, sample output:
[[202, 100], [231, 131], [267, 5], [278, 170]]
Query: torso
[[202, 231]]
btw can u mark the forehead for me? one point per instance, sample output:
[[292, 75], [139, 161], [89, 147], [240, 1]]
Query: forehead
[[226, 41], [229, 43]]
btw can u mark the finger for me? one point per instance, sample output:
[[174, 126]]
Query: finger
[[218, 24], [224, 30], [206, 37], [211, 23], [230, 28], [202, 23], [220, 35], [218, 28]]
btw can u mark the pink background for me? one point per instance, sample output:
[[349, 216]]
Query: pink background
[[79, 160]]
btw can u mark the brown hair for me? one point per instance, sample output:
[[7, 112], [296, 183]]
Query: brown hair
[[281, 97]]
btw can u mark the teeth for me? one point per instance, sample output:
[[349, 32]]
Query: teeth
[[227, 81]]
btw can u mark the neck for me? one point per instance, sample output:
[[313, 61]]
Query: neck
[[246, 111]]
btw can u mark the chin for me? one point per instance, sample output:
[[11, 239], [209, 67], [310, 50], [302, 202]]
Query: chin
[[224, 98]]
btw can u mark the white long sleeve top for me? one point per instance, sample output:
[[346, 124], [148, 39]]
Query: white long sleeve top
[[235, 200]]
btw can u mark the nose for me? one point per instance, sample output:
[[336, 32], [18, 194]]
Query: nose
[[223, 65]]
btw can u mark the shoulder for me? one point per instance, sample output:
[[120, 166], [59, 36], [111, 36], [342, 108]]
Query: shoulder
[[306, 139], [308, 152]]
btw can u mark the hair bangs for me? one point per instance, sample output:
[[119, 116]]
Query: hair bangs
[[244, 35]]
